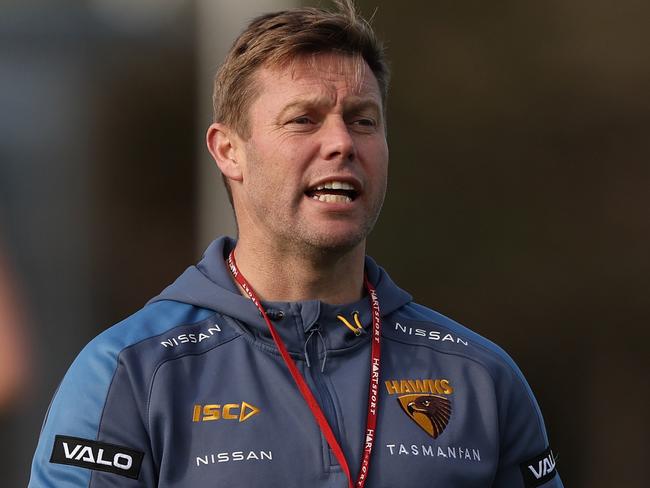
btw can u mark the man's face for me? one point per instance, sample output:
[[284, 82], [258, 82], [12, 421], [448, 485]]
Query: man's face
[[315, 165]]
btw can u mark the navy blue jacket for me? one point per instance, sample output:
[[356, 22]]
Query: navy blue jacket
[[191, 392]]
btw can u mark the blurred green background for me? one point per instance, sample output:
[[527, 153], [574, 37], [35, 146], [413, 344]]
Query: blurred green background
[[518, 200]]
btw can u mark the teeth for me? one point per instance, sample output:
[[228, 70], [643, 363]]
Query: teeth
[[335, 185], [332, 198]]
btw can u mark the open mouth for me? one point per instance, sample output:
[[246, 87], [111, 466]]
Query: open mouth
[[333, 192]]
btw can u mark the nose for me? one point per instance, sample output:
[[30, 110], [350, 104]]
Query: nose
[[336, 141]]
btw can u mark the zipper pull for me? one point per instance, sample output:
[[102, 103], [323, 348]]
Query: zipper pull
[[322, 341], [305, 348], [316, 330]]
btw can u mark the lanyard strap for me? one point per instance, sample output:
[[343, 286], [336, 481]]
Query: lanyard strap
[[373, 393]]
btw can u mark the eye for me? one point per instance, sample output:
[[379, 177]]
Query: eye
[[302, 120], [301, 123], [364, 124]]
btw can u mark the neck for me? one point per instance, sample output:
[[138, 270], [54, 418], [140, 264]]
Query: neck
[[287, 276]]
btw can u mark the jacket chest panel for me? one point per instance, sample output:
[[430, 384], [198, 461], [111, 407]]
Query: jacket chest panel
[[215, 424], [438, 420]]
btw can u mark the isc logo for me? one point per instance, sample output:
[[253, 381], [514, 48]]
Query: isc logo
[[229, 411]]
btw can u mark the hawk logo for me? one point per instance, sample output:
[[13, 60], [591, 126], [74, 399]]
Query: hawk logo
[[430, 412], [425, 402]]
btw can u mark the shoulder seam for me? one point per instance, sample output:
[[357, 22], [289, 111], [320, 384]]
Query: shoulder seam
[[167, 360], [451, 353], [500, 355]]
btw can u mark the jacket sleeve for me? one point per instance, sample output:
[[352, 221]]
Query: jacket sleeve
[[525, 457], [95, 434]]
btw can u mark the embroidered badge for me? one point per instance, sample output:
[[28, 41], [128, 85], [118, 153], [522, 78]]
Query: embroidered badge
[[99, 456], [539, 470], [425, 402], [430, 412]]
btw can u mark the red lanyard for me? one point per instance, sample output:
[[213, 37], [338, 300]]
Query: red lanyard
[[373, 393]]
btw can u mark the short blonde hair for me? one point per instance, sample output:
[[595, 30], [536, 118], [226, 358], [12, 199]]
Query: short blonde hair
[[278, 39]]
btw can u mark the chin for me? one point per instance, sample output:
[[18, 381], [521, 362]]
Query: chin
[[336, 242], [333, 236]]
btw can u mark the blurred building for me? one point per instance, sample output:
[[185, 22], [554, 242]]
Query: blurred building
[[97, 154]]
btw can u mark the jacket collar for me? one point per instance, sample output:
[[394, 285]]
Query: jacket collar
[[209, 285]]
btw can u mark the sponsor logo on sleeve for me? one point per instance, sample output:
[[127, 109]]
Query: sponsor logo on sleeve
[[195, 337], [539, 470], [429, 334], [99, 456]]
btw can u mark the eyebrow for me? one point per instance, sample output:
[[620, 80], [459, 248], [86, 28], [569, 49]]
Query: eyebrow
[[303, 103], [352, 104], [358, 104]]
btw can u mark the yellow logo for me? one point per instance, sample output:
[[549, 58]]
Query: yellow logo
[[430, 412], [438, 387], [230, 411], [425, 402]]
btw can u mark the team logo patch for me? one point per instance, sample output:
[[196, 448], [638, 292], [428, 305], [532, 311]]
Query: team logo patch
[[425, 402], [99, 456], [430, 412]]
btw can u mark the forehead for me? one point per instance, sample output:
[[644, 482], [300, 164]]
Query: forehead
[[333, 77]]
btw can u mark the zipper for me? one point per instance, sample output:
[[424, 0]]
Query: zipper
[[327, 404]]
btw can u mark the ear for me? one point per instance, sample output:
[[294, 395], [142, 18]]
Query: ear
[[223, 144]]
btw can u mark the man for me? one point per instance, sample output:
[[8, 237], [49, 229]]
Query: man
[[288, 358]]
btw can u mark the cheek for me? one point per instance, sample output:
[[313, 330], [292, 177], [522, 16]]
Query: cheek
[[376, 156], [270, 174]]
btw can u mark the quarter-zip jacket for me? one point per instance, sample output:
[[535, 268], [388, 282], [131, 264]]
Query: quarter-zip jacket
[[192, 392]]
